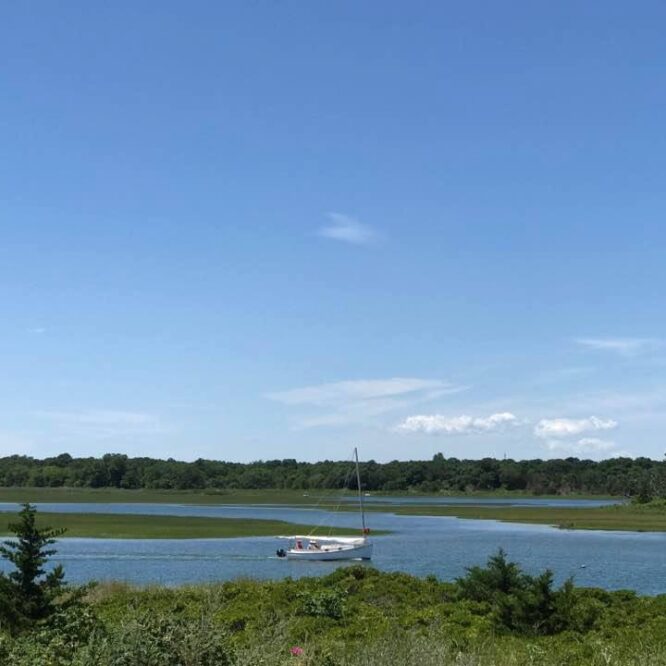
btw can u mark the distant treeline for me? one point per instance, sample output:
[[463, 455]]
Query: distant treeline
[[618, 476]]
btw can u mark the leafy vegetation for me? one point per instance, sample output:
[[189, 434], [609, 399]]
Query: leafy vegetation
[[495, 615], [28, 594], [642, 478], [520, 603], [356, 616]]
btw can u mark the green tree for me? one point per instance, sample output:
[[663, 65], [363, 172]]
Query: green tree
[[28, 594], [645, 489], [521, 603]]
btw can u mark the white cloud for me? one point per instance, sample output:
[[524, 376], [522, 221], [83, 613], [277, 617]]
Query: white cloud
[[357, 401], [559, 428], [348, 230], [596, 443], [623, 346], [584, 445], [37, 330], [438, 424], [590, 447], [102, 424]]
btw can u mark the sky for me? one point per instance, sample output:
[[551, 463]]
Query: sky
[[281, 229]]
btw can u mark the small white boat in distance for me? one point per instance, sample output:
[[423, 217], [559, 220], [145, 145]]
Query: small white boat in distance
[[327, 548], [332, 548]]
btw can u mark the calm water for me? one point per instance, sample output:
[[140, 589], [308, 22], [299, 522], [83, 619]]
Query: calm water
[[420, 545]]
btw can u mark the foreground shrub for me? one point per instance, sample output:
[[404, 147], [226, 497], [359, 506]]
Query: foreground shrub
[[159, 641], [520, 603], [323, 603], [356, 616]]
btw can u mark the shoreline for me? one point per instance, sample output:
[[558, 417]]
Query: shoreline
[[617, 517], [144, 526], [246, 496]]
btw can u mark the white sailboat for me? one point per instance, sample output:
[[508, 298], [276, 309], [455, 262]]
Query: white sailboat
[[332, 548]]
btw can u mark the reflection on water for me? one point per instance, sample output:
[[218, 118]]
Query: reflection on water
[[421, 545]]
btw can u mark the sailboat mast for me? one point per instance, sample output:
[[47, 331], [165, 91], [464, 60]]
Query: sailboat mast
[[360, 494]]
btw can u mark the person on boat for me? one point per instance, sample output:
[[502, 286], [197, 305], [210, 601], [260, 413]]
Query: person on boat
[[314, 545], [299, 544]]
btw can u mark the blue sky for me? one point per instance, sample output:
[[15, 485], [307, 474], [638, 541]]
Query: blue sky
[[280, 229]]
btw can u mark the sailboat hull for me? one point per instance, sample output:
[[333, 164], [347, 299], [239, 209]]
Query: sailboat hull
[[332, 552]]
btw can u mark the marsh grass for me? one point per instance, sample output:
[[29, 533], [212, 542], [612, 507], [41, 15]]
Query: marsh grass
[[628, 517], [129, 526], [623, 517]]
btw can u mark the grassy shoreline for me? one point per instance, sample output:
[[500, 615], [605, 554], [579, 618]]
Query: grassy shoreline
[[619, 518], [629, 518], [263, 496], [137, 526], [132, 526]]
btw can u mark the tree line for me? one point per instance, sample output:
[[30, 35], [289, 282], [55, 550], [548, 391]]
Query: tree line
[[639, 477]]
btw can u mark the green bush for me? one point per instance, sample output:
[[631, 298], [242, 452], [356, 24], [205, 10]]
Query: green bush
[[148, 640], [323, 603], [519, 602], [495, 616]]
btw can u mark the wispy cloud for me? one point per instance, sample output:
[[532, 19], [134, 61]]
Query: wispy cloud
[[347, 230], [360, 389], [356, 401], [563, 375], [587, 446], [37, 330], [630, 404], [102, 424], [623, 346], [438, 424], [563, 427]]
